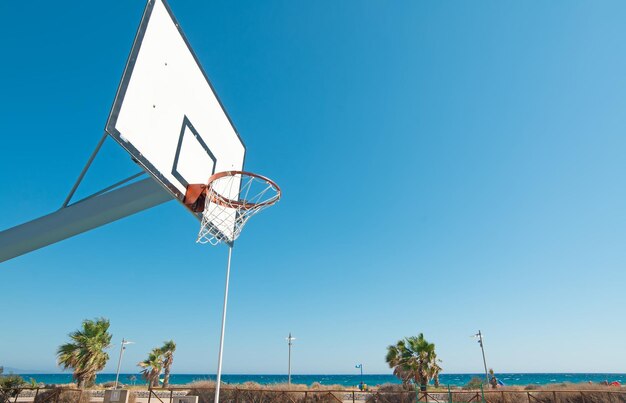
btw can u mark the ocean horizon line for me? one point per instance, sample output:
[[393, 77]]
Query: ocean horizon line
[[347, 380]]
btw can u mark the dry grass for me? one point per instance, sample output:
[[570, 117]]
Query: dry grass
[[391, 393], [388, 393], [63, 395], [276, 393], [562, 393]]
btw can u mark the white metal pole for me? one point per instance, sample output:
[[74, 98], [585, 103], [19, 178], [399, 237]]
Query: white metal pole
[[289, 366], [219, 360], [482, 348], [119, 362]]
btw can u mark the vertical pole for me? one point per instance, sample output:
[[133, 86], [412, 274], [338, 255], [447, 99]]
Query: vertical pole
[[361, 366], [219, 360], [119, 362], [289, 364], [480, 340]]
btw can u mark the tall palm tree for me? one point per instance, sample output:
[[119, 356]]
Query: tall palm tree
[[152, 367], [396, 360], [167, 349], [85, 353], [414, 359]]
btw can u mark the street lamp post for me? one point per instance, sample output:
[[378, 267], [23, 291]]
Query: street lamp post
[[479, 335], [360, 366], [119, 360], [289, 342]]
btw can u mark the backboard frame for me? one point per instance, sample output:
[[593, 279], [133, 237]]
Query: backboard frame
[[111, 129]]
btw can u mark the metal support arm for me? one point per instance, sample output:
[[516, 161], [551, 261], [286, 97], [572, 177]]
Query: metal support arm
[[80, 217]]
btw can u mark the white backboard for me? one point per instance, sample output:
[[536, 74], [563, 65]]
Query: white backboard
[[166, 113]]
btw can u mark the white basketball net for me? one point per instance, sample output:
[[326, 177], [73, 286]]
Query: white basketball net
[[230, 202]]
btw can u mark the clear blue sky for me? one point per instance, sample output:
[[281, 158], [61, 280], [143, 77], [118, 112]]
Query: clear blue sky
[[446, 166]]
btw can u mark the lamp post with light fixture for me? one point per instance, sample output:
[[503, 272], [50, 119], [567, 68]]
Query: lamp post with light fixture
[[360, 366], [479, 335], [289, 342], [119, 360]]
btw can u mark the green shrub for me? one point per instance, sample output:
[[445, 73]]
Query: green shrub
[[474, 383], [10, 387]]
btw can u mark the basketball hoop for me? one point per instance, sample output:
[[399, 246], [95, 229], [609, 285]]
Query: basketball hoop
[[228, 201]]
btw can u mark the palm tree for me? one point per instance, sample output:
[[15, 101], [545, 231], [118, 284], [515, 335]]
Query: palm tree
[[414, 359], [395, 359], [85, 353], [152, 367], [167, 349]]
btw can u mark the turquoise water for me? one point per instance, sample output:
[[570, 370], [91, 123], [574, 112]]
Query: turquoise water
[[346, 380]]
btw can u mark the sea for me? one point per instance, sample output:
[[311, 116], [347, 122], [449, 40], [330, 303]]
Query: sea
[[345, 380]]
